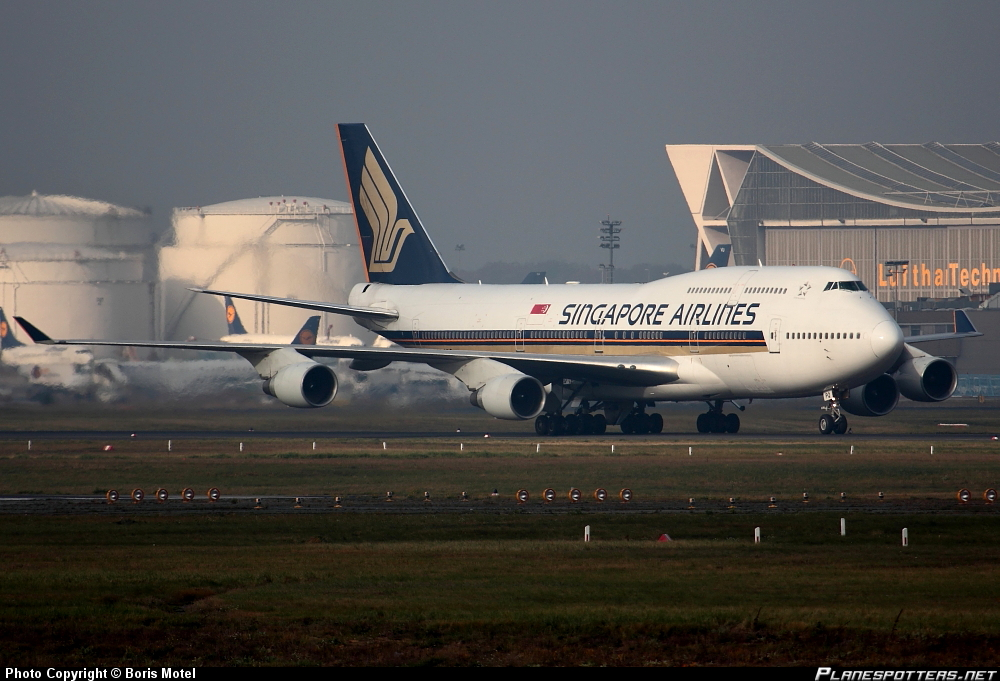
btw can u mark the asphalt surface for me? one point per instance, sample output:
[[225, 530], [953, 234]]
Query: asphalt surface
[[947, 436], [28, 504]]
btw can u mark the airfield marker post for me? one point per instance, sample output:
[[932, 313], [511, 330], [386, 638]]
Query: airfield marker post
[[756, 535], [852, 450], [843, 527], [586, 533], [314, 446], [538, 447], [461, 446], [241, 446], [690, 450], [29, 445], [170, 446], [932, 450], [383, 445], [906, 537]]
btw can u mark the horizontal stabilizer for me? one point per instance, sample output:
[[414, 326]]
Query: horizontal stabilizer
[[375, 313]]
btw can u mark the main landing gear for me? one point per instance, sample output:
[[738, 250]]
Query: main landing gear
[[834, 420], [571, 424], [714, 421], [638, 422]]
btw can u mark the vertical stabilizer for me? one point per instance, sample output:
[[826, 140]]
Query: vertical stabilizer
[[7, 339], [720, 256], [307, 334], [396, 248], [233, 319]]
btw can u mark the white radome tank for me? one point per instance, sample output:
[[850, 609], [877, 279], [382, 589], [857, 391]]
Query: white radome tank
[[77, 268], [286, 246]]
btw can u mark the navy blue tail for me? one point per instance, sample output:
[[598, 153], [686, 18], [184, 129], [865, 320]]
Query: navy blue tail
[[233, 319], [396, 248], [307, 334], [7, 339], [720, 256]]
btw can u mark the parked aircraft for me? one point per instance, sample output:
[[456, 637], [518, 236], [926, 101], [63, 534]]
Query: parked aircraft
[[577, 358], [70, 369]]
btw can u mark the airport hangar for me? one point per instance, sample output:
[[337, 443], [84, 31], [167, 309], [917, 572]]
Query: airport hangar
[[919, 223]]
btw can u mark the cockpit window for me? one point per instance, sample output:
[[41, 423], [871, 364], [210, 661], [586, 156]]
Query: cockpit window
[[846, 286]]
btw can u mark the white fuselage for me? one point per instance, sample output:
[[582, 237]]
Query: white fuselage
[[734, 331]]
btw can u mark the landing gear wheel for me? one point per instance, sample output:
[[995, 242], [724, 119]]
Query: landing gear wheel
[[628, 425], [732, 423], [840, 425], [543, 425], [655, 423], [600, 424], [558, 426], [826, 424], [572, 424], [703, 423], [718, 422]]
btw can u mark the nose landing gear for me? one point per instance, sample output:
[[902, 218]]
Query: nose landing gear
[[834, 420]]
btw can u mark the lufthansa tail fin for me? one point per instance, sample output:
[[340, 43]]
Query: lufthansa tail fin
[[7, 339], [236, 327], [720, 256], [395, 246], [307, 334]]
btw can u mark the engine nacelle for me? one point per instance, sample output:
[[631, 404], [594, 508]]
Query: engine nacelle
[[512, 396], [877, 398], [927, 379], [306, 384]]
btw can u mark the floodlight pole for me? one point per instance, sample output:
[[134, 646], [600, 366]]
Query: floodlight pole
[[609, 240], [893, 268]]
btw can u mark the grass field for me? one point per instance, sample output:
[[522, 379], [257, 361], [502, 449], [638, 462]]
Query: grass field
[[496, 585]]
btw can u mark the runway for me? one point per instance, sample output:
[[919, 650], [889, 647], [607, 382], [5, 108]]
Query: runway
[[50, 504], [468, 435]]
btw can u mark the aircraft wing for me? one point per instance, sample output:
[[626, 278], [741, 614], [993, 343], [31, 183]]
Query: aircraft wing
[[630, 370], [376, 313], [963, 329]]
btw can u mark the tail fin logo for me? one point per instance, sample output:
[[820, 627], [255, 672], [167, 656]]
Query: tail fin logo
[[3, 328], [230, 313], [379, 203]]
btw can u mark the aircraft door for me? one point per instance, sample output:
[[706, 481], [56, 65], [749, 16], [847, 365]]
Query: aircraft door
[[519, 336], [598, 341], [693, 346], [774, 336]]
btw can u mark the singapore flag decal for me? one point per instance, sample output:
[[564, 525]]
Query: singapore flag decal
[[540, 309]]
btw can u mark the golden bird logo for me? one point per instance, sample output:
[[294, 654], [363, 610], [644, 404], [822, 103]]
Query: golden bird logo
[[379, 203]]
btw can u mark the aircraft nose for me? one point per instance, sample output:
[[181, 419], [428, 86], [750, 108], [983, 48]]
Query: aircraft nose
[[887, 340]]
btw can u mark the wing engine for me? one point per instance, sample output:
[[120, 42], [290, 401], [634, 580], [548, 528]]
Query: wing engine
[[306, 385], [925, 378], [513, 396], [876, 398]]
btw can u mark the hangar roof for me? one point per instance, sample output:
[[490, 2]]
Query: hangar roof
[[926, 175]]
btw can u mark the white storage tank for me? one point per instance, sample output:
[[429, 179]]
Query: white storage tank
[[77, 268], [286, 246]]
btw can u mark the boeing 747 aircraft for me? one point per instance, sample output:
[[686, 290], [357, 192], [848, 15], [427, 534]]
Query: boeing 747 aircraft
[[578, 358]]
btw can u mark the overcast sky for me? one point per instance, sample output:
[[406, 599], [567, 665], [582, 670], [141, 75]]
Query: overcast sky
[[514, 127]]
